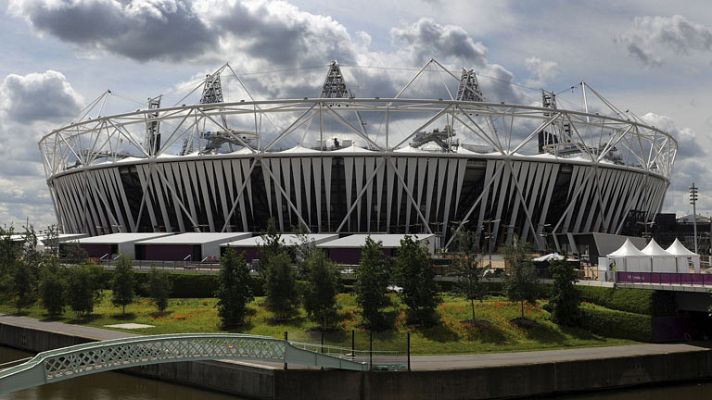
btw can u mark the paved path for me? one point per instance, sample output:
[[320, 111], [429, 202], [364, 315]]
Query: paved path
[[64, 328], [485, 360], [423, 363]]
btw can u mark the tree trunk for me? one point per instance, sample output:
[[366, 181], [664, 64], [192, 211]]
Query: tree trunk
[[522, 304], [123, 309], [472, 306]]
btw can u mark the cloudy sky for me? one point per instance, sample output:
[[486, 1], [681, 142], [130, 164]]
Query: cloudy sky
[[652, 57]]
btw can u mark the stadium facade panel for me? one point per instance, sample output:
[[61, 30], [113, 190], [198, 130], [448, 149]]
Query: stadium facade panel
[[327, 192]]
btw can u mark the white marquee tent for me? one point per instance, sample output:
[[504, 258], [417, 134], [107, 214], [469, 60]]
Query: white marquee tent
[[660, 259], [684, 257], [629, 259]]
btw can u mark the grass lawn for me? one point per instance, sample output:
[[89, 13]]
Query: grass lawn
[[494, 330]]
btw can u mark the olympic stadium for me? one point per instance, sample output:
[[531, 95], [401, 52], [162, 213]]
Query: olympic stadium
[[338, 163]]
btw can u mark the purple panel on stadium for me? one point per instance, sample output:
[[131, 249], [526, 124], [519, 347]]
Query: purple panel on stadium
[[168, 252], [96, 250]]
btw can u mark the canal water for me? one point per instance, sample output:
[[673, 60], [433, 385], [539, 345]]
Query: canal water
[[113, 385]]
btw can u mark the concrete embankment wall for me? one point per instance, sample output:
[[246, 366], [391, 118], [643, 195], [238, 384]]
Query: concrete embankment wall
[[521, 380]]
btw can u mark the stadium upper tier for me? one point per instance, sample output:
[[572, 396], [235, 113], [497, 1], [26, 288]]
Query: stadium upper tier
[[338, 163]]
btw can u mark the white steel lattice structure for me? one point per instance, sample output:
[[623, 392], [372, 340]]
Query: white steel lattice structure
[[532, 171], [91, 358]]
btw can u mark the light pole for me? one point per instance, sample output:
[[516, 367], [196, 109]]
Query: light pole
[[489, 223], [646, 224], [544, 234], [693, 201]]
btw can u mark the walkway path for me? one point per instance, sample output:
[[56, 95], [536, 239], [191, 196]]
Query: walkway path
[[485, 360], [430, 362]]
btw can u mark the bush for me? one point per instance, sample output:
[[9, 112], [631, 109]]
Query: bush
[[193, 286], [282, 298], [617, 324], [371, 284], [637, 301], [414, 272], [564, 298], [234, 289], [53, 289], [83, 288], [159, 288], [320, 289], [122, 284]]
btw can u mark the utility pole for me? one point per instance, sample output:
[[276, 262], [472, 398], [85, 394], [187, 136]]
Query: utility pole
[[488, 237], [693, 201]]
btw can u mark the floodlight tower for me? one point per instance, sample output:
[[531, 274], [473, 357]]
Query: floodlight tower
[[153, 134], [469, 87], [334, 85], [693, 201], [212, 89]]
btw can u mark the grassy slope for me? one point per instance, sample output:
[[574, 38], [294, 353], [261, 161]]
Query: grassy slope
[[494, 331]]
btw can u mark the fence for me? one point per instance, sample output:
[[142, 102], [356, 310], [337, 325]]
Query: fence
[[665, 278], [331, 343]]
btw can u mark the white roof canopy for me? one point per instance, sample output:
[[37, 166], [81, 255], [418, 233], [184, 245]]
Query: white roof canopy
[[628, 249], [654, 249], [678, 249], [352, 149], [299, 150]]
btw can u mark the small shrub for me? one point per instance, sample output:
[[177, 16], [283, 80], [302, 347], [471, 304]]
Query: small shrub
[[83, 288], [234, 289], [631, 300], [53, 289], [159, 288], [617, 324], [122, 284]]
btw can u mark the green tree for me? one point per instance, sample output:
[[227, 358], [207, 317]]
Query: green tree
[[73, 253], [9, 258], [372, 283], [122, 284], [467, 270], [53, 287], [234, 291], [565, 299], [83, 288], [414, 273], [159, 288], [281, 293], [271, 246], [31, 258], [25, 269], [23, 287], [302, 251], [521, 282], [320, 290]]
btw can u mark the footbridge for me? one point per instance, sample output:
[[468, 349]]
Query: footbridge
[[91, 358]]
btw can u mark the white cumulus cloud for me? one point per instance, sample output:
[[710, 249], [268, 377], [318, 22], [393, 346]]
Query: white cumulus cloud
[[45, 96], [652, 38], [542, 71]]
